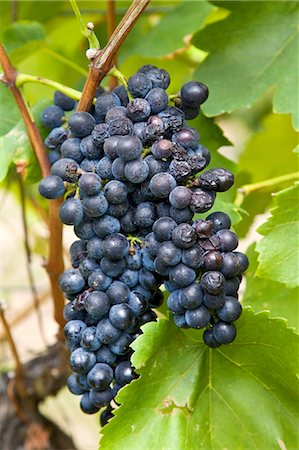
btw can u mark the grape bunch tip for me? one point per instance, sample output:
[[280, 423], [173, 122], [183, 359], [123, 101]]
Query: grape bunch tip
[[131, 173]]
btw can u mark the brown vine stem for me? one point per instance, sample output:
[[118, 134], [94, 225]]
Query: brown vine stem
[[18, 365], [103, 61], [55, 263]]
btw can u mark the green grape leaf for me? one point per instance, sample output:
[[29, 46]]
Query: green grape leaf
[[189, 397], [253, 49], [183, 20], [23, 38], [278, 250], [272, 147], [15, 147], [263, 294], [7, 103]]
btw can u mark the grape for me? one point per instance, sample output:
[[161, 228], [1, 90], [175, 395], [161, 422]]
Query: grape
[[158, 99], [230, 311], [129, 147], [112, 268], [180, 170], [71, 282], [197, 318], [99, 134], [107, 333], [243, 261], [100, 376], [73, 386], [213, 282], [220, 220], [122, 94], [137, 304], [180, 197], [194, 93], [184, 236], [106, 225], [181, 275], [180, 321], [129, 277], [86, 405], [99, 281], [120, 316], [228, 240], [162, 184], [116, 246], [87, 266], [118, 292], [145, 215], [191, 112], [213, 260], [162, 148], [209, 339], [151, 244], [73, 331], [191, 296], [115, 192], [97, 304], [186, 137], [55, 138], [106, 101], [89, 339], [169, 254], [219, 180], [230, 265], [138, 109], [105, 355], [136, 171], [180, 215], [159, 78], [53, 156], [174, 302], [115, 112], [84, 230], [100, 398], [66, 169], [193, 257], [224, 332], [51, 187], [163, 228], [63, 101], [52, 116], [90, 184], [95, 205], [81, 124], [139, 85], [202, 200], [213, 301], [146, 68], [81, 360], [124, 373], [71, 149], [89, 149], [104, 168], [122, 345]]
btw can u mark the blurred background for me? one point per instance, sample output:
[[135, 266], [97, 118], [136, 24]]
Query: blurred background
[[192, 40]]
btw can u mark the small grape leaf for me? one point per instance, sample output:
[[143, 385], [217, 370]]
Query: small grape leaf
[[189, 397], [183, 20], [253, 49], [22, 38], [278, 250], [272, 147], [263, 294], [7, 103], [15, 147]]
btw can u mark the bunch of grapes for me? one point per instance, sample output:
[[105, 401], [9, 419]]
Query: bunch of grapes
[[130, 173]]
